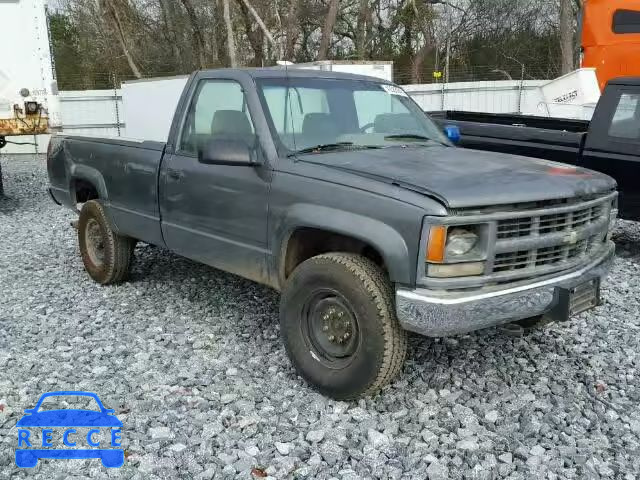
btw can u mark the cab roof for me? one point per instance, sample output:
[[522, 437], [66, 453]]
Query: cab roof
[[281, 72]]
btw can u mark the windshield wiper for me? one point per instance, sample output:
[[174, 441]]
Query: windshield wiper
[[326, 147], [410, 136], [413, 136]]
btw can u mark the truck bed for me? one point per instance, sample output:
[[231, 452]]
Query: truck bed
[[130, 188], [550, 138]]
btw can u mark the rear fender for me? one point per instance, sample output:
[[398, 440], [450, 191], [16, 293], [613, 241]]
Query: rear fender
[[95, 178], [88, 174]]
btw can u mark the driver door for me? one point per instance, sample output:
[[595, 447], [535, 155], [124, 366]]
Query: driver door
[[216, 214]]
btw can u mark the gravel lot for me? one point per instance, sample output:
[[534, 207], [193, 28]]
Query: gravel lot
[[191, 360]]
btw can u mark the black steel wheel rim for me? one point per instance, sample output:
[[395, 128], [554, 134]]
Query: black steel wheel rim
[[330, 328]]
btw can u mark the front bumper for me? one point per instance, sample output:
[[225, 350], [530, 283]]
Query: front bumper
[[435, 314]]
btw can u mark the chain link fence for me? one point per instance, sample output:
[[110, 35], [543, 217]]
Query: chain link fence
[[91, 103]]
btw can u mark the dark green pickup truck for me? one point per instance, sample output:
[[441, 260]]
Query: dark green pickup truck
[[340, 192]]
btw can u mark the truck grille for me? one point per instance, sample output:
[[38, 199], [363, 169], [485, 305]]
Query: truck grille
[[550, 241], [541, 257], [556, 222]]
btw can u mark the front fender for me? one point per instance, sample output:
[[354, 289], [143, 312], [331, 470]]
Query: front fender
[[385, 239]]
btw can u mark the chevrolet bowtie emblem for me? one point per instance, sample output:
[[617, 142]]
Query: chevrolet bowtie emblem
[[571, 238]]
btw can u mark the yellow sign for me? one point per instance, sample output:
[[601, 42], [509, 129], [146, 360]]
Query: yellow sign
[[437, 74]]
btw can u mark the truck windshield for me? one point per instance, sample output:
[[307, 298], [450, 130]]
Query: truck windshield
[[313, 114]]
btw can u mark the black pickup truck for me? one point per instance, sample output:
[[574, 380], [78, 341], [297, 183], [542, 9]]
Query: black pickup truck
[[341, 193], [609, 143]]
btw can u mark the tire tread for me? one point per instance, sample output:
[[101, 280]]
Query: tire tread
[[379, 289]]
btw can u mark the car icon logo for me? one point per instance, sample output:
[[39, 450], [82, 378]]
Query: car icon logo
[[83, 433]]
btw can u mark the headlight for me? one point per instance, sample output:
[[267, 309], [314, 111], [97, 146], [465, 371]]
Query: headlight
[[456, 250], [460, 242]]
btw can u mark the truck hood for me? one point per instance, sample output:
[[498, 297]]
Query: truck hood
[[462, 178]]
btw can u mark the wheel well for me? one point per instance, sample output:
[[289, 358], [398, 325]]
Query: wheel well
[[84, 190], [305, 243]]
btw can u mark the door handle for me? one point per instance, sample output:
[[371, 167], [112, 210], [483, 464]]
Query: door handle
[[175, 174]]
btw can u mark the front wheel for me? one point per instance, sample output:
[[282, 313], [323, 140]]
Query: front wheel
[[339, 327], [105, 254]]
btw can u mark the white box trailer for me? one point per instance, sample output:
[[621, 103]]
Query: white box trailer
[[28, 91]]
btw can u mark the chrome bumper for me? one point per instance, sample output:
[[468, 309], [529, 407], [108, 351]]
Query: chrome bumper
[[435, 314]]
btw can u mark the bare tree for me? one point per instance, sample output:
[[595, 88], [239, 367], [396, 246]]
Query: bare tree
[[261, 24], [168, 16], [424, 18], [327, 30], [291, 30], [362, 28], [231, 45], [198, 38], [114, 17], [255, 36]]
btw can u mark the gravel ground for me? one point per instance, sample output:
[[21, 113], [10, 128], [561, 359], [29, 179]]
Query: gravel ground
[[191, 360]]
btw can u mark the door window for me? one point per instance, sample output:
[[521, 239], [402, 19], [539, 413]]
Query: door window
[[626, 21], [626, 120], [218, 109]]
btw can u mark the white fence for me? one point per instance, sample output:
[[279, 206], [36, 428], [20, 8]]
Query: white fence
[[100, 112], [504, 96]]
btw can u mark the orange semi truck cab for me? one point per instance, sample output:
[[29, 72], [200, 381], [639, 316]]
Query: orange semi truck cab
[[611, 38]]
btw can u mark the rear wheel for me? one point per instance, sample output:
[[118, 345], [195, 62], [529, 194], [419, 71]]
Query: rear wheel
[[339, 326], [105, 254]]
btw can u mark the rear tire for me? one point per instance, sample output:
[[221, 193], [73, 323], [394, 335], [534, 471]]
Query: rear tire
[[105, 254], [339, 326]]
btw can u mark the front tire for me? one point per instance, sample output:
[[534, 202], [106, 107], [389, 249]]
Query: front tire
[[105, 254], [339, 327]]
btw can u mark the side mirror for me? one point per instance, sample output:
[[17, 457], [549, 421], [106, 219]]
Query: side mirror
[[453, 133], [226, 152]]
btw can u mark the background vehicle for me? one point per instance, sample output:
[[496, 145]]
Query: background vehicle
[[611, 38], [28, 90], [339, 191], [610, 143]]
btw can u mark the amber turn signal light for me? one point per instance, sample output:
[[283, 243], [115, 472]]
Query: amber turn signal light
[[436, 244]]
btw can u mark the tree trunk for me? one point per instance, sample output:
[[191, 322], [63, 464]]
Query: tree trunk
[[261, 24], [198, 38], [292, 31], [362, 28], [231, 45], [566, 37], [221, 53], [255, 36], [425, 19], [168, 14], [327, 30], [418, 62]]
